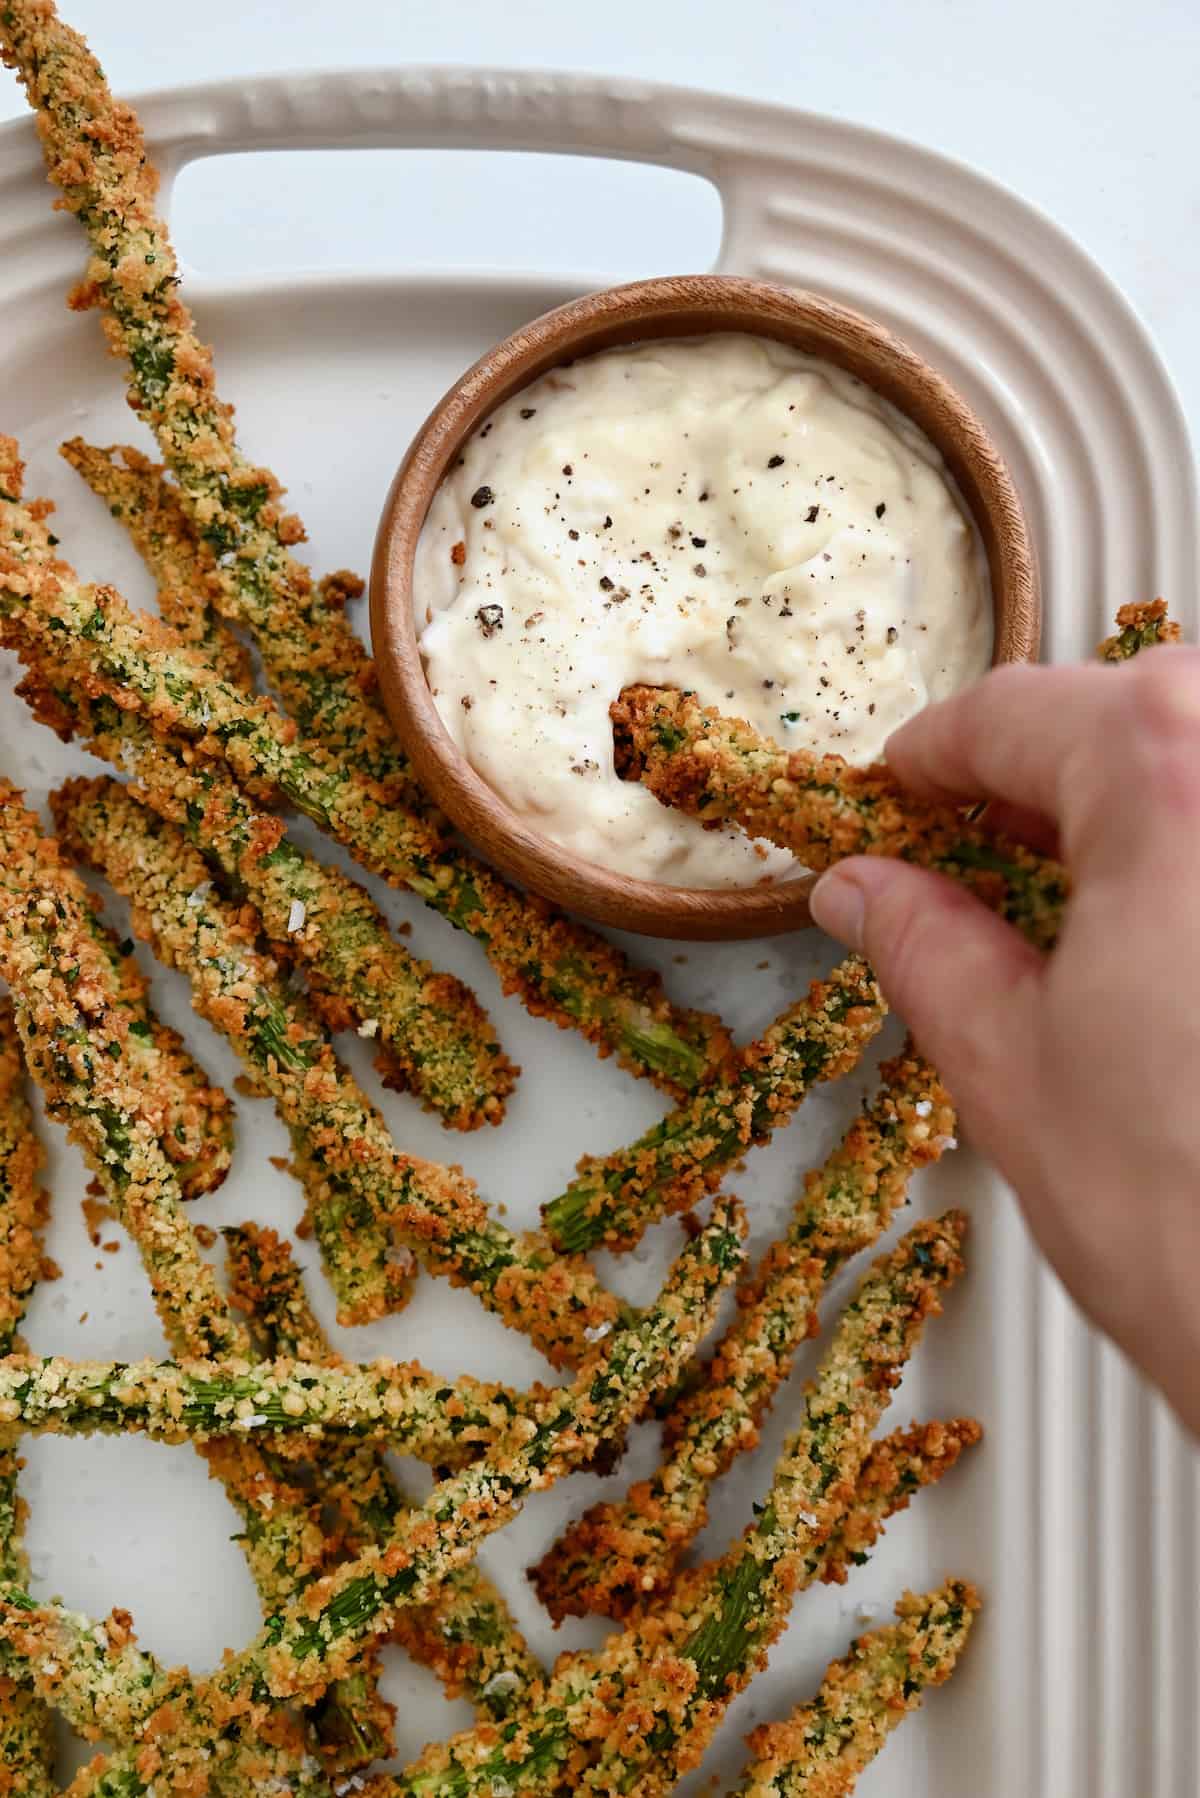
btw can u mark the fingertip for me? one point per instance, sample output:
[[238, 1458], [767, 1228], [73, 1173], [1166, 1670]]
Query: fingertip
[[953, 970]]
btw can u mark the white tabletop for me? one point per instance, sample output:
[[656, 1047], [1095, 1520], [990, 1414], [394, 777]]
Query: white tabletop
[[1089, 113]]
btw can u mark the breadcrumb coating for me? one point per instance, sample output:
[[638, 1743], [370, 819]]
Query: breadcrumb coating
[[1140, 626]]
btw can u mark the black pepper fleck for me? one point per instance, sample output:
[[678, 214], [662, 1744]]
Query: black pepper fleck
[[880, 509], [528, 411], [775, 462], [699, 542], [700, 569], [606, 586], [892, 633], [567, 469], [482, 496], [491, 619], [811, 516], [574, 536]]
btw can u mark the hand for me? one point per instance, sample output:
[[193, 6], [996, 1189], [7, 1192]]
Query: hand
[[1078, 1074]]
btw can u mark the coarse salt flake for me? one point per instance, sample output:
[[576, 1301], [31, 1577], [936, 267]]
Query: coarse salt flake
[[597, 1332], [923, 1107], [296, 916], [199, 894], [369, 1027]]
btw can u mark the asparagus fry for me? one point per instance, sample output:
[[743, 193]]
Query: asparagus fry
[[562, 970], [633, 1715], [895, 1469], [467, 1635], [92, 1673], [618, 1556], [820, 808], [319, 1638], [26, 1746], [614, 1199], [1139, 626], [196, 1128], [74, 1029], [444, 1422], [183, 565], [355, 1178], [824, 1745]]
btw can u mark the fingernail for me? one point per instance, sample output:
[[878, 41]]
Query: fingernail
[[838, 906]]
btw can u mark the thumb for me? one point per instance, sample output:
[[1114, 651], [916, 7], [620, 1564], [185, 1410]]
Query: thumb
[[963, 980]]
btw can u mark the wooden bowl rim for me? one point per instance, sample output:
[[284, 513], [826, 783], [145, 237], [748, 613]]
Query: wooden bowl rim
[[670, 306]]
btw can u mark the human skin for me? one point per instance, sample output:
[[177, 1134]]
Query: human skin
[[1094, 1048]]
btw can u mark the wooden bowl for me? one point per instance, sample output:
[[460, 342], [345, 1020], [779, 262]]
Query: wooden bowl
[[683, 306]]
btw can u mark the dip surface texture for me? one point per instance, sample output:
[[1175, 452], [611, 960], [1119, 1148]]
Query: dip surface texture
[[724, 514]]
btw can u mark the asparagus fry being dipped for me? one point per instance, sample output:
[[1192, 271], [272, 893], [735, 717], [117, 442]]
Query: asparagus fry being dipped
[[618, 1556], [26, 1746], [821, 1749], [562, 970], [614, 1199], [446, 1422], [183, 565], [321, 1636], [719, 769], [355, 1179], [466, 1635], [637, 1712]]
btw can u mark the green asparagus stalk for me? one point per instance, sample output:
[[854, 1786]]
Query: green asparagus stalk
[[895, 1470], [1139, 626], [467, 1635], [618, 1557], [444, 1422], [183, 565], [615, 1198], [719, 769], [26, 1744], [821, 1749], [562, 970], [632, 1715], [320, 1637], [354, 1176]]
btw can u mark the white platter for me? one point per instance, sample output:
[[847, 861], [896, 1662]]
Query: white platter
[[1080, 1515]]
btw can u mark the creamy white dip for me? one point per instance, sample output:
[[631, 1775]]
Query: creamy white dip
[[724, 514]]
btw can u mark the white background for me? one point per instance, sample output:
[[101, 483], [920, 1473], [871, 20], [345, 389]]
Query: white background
[[1090, 111]]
